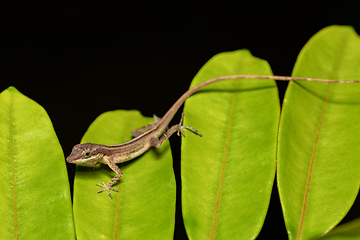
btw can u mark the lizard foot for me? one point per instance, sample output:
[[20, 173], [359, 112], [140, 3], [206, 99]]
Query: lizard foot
[[181, 131], [106, 188], [180, 128]]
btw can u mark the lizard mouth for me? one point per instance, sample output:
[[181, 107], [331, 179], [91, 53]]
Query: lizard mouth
[[69, 160]]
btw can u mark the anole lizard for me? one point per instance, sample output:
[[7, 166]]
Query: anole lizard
[[91, 153]]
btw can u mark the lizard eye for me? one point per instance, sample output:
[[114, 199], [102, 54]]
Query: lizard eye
[[86, 154]]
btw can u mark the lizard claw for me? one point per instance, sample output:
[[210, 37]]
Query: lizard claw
[[106, 188]]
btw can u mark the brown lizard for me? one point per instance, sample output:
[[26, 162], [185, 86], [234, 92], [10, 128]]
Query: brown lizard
[[91, 153]]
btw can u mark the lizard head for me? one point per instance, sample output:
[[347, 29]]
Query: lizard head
[[85, 153]]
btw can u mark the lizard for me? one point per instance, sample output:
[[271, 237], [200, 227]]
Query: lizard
[[153, 134]]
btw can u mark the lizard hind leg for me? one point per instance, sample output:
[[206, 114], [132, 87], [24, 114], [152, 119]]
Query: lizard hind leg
[[179, 128], [137, 132]]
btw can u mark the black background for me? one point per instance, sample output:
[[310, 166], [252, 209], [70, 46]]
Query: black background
[[80, 60]]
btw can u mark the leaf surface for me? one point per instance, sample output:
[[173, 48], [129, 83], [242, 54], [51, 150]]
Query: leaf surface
[[346, 231], [319, 136], [35, 195], [227, 175], [144, 207]]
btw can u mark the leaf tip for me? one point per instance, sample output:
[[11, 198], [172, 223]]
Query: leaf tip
[[11, 89]]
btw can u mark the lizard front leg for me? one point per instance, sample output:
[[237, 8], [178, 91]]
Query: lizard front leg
[[118, 172]]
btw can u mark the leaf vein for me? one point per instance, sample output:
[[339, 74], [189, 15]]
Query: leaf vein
[[224, 163], [336, 67], [13, 166], [116, 230]]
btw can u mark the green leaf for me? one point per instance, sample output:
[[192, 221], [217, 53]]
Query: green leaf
[[227, 175], [144, 208], [35, 195], [318, 153], [347, 231]]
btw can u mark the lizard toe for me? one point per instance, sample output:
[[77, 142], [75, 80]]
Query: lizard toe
[[106, 188]]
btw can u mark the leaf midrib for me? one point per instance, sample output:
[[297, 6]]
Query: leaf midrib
[[13, 165], [116, 230], [312, 162], [336, 67], [224, 161]]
